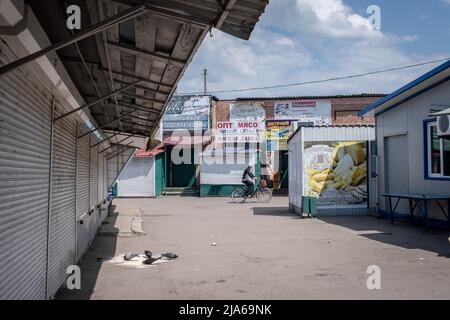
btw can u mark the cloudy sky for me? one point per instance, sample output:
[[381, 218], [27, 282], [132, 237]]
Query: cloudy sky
[[306, 40]]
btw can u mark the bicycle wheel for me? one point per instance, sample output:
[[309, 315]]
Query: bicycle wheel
[[264, 195], [238, 195]]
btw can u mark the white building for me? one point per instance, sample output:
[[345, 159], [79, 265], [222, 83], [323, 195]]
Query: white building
[[332, 164], [413, 157]]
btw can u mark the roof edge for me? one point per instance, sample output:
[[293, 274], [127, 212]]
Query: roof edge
[[430, 74]]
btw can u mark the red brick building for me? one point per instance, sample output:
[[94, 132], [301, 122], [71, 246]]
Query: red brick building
[[344, 108]]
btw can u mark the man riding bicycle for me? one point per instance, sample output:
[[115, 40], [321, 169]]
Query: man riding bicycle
[[248, 178]]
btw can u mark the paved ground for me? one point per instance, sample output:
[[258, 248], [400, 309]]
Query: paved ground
[[263, 252]]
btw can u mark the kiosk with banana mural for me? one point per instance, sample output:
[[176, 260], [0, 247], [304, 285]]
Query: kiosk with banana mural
[[335, 172]]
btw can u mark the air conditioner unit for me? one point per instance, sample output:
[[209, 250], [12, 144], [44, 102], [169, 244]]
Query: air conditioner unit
[[443, 125]]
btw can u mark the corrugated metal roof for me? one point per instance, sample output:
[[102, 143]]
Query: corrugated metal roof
[[362, 95], [322, 130], [154, 47], [339, 133]]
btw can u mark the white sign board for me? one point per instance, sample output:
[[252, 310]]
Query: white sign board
[[240, 131], [317, 111], [247, 111]]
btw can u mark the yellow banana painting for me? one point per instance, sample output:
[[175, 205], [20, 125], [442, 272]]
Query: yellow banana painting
[[336, 170]]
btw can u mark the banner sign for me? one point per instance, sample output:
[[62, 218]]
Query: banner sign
[[247, 111], [240, 131], [277, 133], [187, 113], [317, 111], [335, 172]]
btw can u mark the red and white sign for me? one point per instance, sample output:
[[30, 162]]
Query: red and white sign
[[303, 104], [240, 131]]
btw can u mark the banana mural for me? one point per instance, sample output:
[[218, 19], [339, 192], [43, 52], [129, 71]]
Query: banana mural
[[336, 172]]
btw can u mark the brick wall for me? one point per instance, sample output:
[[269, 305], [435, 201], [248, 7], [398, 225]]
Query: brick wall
[[343, 110]]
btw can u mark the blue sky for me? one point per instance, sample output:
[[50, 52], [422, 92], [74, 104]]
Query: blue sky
[[304, 40]]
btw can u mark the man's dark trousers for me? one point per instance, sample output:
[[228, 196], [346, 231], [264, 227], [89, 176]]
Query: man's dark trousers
[[249, 189]]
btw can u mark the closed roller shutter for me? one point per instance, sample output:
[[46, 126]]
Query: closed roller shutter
[[83, 176], [93, 176], [100, 179], [25, 117], [105, 176], [116, 161], [112, 166], [62, 246], [138, 178]]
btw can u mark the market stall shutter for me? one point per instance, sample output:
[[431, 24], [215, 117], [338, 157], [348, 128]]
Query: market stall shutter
[[62, 239], [105, 175], [25, 118], [100, 180], [82, 176], [138, 178], [93, 176], [116, 161]]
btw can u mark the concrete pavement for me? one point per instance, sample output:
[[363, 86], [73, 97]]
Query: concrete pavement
[[263, 252]]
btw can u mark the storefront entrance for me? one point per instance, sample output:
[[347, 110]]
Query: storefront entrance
[[284, 166], [180, 175]]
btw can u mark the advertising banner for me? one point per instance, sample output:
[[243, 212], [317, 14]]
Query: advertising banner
[[335, 172], [251, 111], [240, 131], [316, 111], [277, 133], [187, 113]]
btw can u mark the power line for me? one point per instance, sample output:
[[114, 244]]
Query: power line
[[322, 80]]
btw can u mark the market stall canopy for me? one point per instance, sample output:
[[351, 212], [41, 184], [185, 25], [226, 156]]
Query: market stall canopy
[[131, 140], [129, 55]]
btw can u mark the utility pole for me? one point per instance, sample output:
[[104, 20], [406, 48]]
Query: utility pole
[[205, 80]]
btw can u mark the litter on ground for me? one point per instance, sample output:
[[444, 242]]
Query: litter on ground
[[139, 261]]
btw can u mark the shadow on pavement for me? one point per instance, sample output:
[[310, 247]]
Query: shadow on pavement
[[102, 249], [400, 234], [275, 211]]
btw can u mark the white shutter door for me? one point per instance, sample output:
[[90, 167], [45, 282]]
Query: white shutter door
[[100, 179], [25, 112], [62, 247], [93, 176], [116, 161], [82, 176]]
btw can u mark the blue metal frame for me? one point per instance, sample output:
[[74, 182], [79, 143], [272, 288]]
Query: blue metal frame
[[407, 87], [425, 152]]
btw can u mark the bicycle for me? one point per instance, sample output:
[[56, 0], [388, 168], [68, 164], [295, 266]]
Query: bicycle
[[263, 194]]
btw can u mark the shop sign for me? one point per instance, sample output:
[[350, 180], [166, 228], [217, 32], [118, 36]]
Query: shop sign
[[247, 111], [187, 113], [317, 111], [277, 133], [240, 131]]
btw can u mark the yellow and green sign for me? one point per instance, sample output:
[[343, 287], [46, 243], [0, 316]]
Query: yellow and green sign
[[277, 133]]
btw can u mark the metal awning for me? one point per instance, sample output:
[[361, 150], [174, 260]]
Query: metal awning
[[130, 55]]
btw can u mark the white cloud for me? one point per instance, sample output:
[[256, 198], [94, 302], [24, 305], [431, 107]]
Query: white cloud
[[446, 2], [304, 40]]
